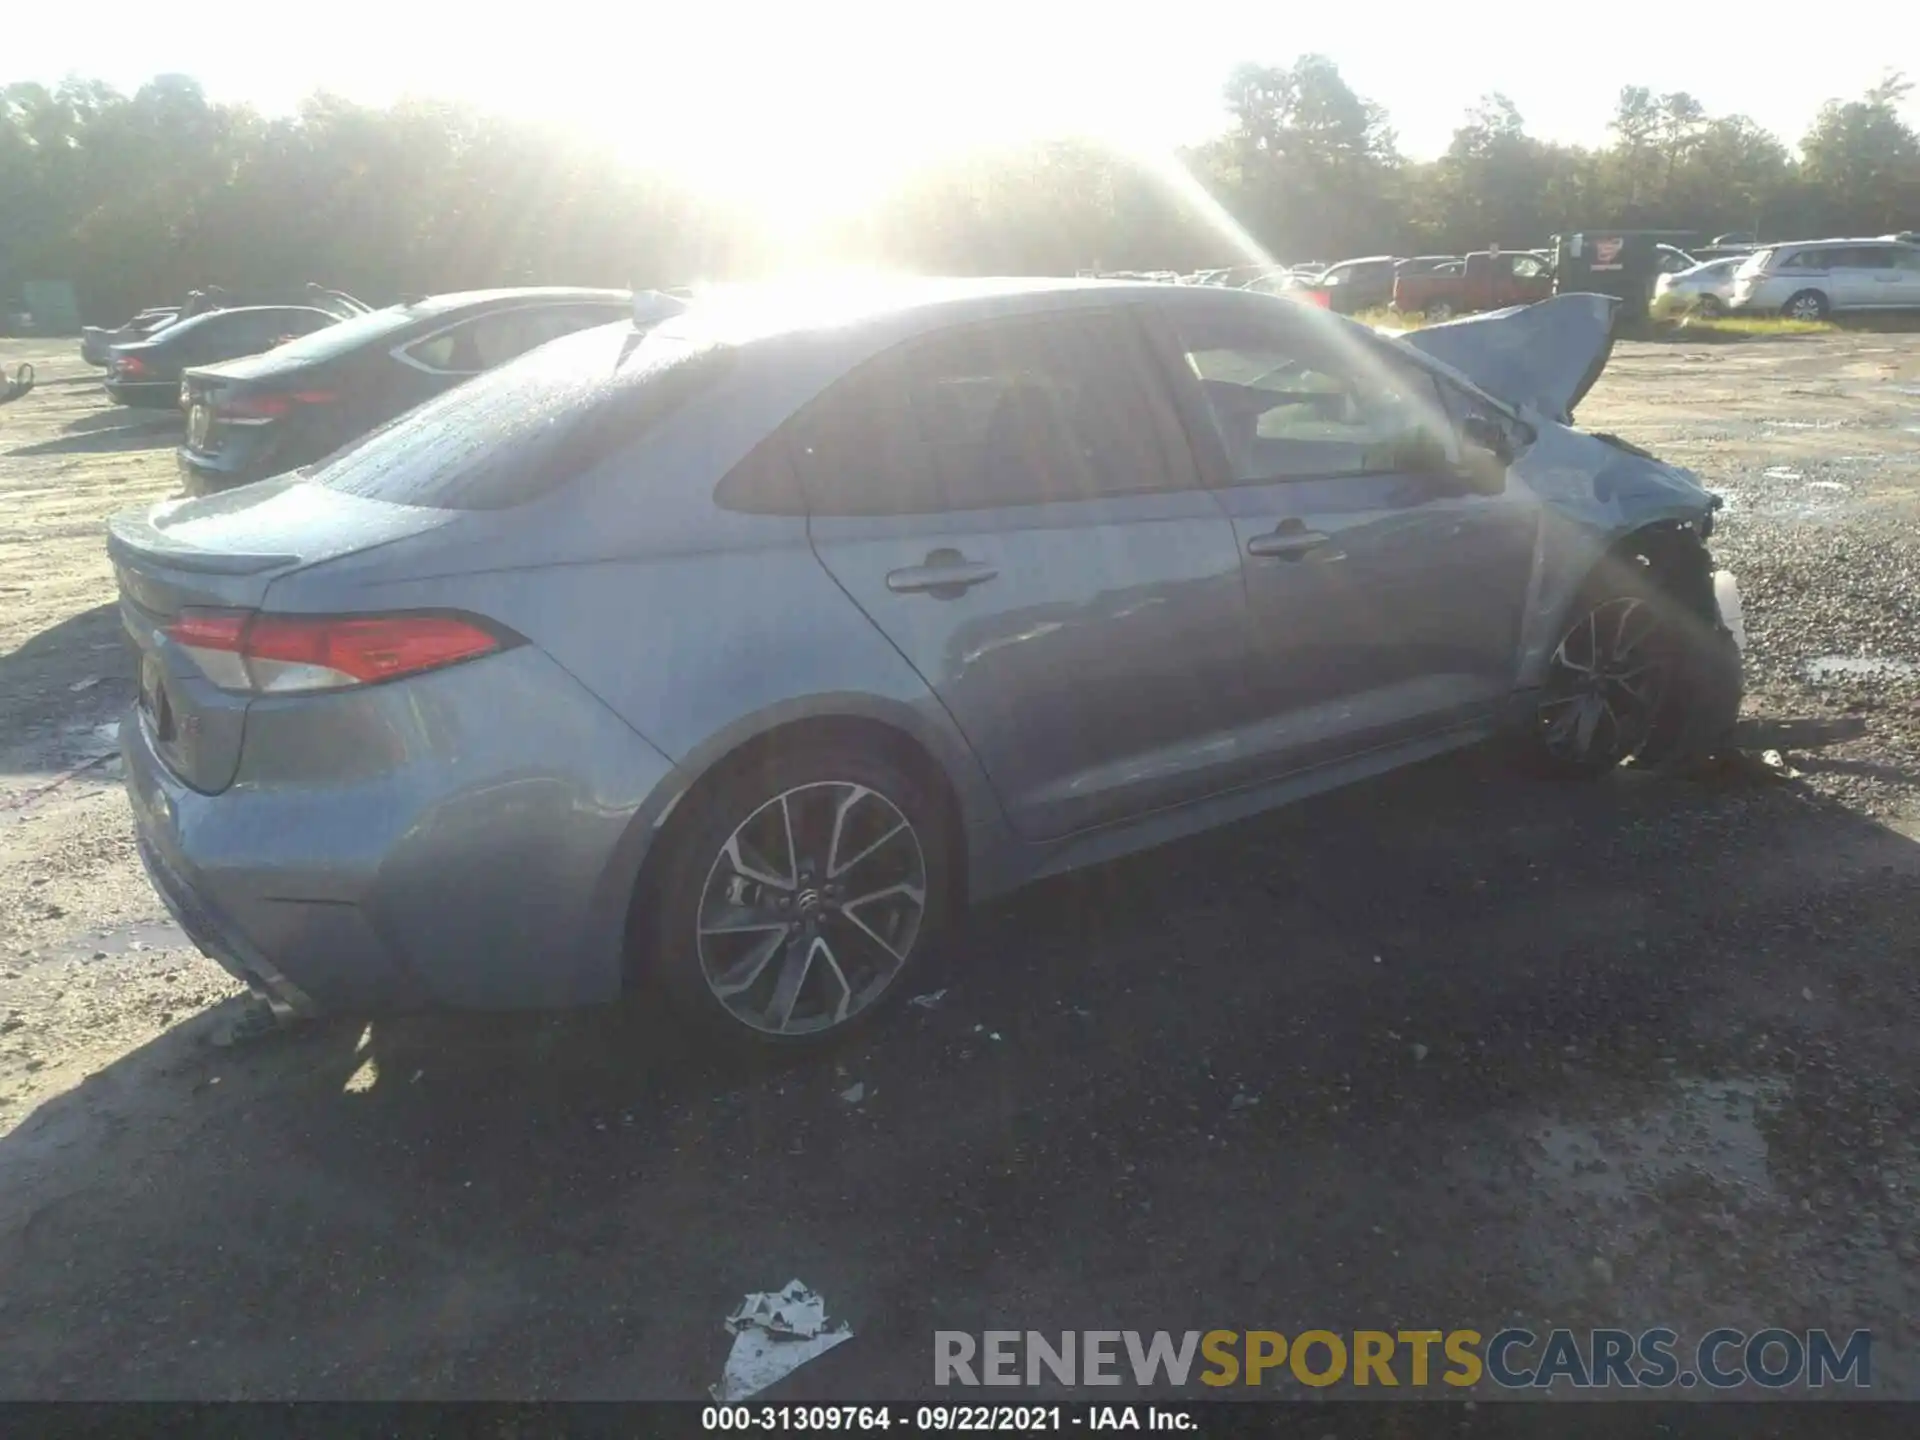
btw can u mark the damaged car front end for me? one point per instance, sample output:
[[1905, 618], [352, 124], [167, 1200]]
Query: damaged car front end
[[1631, 643]]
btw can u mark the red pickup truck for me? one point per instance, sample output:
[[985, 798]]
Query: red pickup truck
[[1485, 280]]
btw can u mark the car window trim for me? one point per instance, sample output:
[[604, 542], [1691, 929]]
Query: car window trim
[[399, 352]]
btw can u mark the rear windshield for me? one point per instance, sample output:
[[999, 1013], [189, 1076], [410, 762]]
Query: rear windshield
[[523, 429]]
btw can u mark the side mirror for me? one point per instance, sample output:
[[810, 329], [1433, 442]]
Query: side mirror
[[1489, 438]]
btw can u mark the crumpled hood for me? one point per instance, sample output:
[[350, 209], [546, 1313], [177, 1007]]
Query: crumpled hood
[[1545, 356]]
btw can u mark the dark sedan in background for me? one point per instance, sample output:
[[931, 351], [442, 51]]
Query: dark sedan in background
[[258, 416], [147, 372]]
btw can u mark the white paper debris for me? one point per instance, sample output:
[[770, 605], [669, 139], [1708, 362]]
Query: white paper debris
[[928, 1000], [86, 684], [774, 1334], [855, 1092]]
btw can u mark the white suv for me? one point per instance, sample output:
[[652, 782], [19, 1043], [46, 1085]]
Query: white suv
[[1811, 279]]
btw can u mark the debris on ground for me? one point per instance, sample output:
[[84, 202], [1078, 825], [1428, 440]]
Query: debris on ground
[[855, 1092], [774, 1334], [255, 1020], [928, 1000]]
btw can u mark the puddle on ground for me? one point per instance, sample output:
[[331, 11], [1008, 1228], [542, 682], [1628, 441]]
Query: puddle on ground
[[1710, 1127], [134, 939], [1860, 667]]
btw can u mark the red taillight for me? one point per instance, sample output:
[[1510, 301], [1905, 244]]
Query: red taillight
[[276, 654], [129, 365], [271, 407]]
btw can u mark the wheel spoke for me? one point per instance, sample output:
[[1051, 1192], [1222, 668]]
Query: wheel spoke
[[850, 910], [756, 869], [754, 963], [1566, 661], [792, 979], [1588, 724], [1621, 649], [899, 829]]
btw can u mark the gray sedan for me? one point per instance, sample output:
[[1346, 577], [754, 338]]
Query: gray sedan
[[724, 659]]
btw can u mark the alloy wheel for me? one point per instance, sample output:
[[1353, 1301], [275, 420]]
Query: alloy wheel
[[1803, 307], [811, 908], [1606, 684]]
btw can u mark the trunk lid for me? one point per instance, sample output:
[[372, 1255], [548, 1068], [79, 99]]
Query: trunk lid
[[1545, 356], [207, 390], [225, 552]]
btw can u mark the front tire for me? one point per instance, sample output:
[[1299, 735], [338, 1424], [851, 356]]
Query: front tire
[[1806, 305], [1610, 692], [1439, 312], [800, 895], [1711, 307]]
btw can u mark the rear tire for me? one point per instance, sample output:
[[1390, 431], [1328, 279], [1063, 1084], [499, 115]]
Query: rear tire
[[1806, 305], [1439, 312], [800, 895]]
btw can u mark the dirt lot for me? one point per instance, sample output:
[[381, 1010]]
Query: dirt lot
[[1449, 1049]]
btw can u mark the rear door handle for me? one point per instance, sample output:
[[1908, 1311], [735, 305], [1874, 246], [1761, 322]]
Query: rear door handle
[[1288, 544], [944, 573]]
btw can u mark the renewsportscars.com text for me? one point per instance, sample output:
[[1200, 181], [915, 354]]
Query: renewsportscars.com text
[[1512, 1359]]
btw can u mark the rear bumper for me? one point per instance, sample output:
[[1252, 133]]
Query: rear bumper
[[219, 940], [465, 839], [208, 474], [150, 394]]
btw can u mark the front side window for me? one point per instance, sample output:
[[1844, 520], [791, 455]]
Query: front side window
[[1024, 412], [1286, 407]]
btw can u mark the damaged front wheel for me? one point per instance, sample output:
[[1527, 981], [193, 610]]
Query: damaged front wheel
[[1607, 694]]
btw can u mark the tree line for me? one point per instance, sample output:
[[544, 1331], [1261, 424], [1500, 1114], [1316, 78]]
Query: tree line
[[138, 198]]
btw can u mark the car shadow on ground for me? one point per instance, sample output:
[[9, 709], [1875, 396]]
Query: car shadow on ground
[[1220, 1079], [38, 678], [137, 430]]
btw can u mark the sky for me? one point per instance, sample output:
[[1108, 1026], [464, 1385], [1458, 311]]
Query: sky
[[736, 93]]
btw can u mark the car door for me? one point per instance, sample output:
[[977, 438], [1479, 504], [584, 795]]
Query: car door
[[1014, 504], [1854, 277], [1906, 267], [1384, 592], [1883, 280]]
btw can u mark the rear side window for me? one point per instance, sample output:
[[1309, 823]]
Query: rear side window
[[493, 339], [524, 429], [1806, 260], [1021, 412]]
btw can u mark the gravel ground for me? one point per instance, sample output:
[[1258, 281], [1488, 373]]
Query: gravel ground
[[1448, 1049]]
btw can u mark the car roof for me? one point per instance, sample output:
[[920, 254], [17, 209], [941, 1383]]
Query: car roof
[[473, 299], [1841, 240], [741, 313], [200, 322]]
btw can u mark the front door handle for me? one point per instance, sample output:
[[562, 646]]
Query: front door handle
[[944, 573], [1288, 543]]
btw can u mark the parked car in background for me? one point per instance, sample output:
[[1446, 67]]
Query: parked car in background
[[97, 341], [147, 372], [1671, 260], [1355, 285], [254, 417], [1486, 280], [1811, 279], [727, 658], [1706, 288], [1422, 264]]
